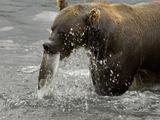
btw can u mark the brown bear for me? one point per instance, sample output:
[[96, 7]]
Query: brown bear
[[123, 40]]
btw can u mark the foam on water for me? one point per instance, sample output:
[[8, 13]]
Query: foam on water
[[7, 28], [8, 44], [42, 92], [132, 103], [82, 72], [29, 69], [45, 16]]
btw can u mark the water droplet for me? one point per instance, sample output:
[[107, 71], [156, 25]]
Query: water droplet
[[111, 71], [117, 75]]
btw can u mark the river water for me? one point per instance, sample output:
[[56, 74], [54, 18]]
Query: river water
[[24, 26]]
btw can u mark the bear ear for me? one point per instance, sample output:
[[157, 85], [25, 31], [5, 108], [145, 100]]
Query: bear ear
[[62, 4], [94, 16]]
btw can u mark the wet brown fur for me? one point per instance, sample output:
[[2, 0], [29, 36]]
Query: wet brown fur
[[124, 41]]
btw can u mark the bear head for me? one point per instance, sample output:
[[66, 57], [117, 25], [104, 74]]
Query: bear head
[[76, 26]]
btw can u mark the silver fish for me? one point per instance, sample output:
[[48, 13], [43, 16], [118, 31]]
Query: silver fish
[[48, 69]]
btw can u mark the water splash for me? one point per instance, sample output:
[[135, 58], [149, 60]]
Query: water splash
[[29, 69]]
